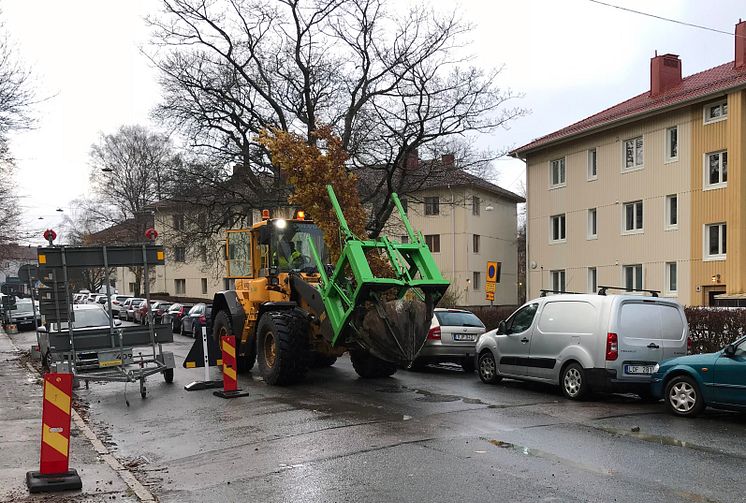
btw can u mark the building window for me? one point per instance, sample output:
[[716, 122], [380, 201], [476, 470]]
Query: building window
[[715, 241], [592, 164], [433, 242], [476, 280], [633, 277], [672, 279], [131, 287], [204, 285], [716, 169], [672, 143], [715, 112], [180, 286], [475, 202], [633, 153], [179, 254], [592, 223], [592, 279], [432, 205], [475, 242], [633, 217], [404, 239], [672, 211], [558, 280], [557, 224], [178, 222], [557, 173]]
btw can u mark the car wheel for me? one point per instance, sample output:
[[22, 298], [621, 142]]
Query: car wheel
[[683, 397], [181, 329], [573, 382], [488, 368]]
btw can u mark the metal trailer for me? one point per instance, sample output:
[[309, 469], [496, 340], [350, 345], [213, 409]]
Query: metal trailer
[[102, 354]]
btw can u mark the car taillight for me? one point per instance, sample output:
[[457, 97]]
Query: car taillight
[[434, 334], [202, 319], [612, 347]]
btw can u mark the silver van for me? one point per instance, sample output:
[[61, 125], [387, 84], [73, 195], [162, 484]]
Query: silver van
[[585, 343]]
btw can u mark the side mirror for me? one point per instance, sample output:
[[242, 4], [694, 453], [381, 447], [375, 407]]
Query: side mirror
[[502, 328], [42, 329], [729, 350], [117, 323]]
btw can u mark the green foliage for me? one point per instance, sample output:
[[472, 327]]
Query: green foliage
[[711, 329]]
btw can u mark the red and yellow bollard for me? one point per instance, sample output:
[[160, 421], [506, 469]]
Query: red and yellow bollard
[[54, 471], [230, 377]]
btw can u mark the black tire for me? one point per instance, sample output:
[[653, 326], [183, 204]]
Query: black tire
[[683, 397], [573, 382], [319, 360], [488, 368], [282, 347], [168, 376], [223, 326], [468, 365], [368, 366], [181, 329], [247, 361], [174, 328]]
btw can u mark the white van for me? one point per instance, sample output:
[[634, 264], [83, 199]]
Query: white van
[[585, 342]]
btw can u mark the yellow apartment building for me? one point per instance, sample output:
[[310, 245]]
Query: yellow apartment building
[[649, 193]]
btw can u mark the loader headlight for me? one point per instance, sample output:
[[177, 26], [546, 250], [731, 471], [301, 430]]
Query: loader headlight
[[281, 223]]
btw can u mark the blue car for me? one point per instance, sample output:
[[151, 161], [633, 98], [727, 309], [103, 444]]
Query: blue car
[[689, 383]]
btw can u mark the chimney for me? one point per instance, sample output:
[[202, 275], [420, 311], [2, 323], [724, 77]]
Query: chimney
[[413, 159], [448, 160], [665, 73], [740, 44]]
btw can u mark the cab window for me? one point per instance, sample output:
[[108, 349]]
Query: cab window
[[522, 320]]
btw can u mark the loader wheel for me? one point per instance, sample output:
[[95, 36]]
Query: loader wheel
[[368, 366], [282, 347], [319, 360], [223, 326]]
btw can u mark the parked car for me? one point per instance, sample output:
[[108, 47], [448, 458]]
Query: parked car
[[141, 313], [690, 383], [198, 316], [159, 310], [452, 338], [126, 312], [86, 317], [94, 297], [23, 314], [116, 303], [585, 343], [174, 314]]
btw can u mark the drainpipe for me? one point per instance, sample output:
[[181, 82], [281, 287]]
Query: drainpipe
[[453, 235]]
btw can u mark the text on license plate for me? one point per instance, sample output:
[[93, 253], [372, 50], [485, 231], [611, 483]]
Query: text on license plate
[[464, 337], [638, 369]]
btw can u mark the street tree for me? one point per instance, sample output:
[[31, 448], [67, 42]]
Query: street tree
[[389, 84]]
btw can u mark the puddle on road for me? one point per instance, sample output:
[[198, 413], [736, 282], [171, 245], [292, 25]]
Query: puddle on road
[[536, 453]]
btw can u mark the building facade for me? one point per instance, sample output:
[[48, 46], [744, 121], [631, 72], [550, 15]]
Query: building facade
[[648, 194]]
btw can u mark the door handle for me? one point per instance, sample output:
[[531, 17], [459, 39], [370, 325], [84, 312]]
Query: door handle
[[524, 340], [653, 345]]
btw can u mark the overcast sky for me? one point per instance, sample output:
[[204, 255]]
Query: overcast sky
[[570, 59]]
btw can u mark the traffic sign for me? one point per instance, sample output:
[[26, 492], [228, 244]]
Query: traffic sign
[[490, 287], [490, 296], [493, 271]]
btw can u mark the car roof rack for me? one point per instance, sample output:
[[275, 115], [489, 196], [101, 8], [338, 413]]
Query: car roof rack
[[602, 290], [543, 292]]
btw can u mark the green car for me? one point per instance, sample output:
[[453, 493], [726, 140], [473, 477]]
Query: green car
[[689, 383]]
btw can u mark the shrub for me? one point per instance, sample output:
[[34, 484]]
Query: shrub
[[492, 316], [711, 329]]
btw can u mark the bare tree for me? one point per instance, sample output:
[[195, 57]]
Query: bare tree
[[388, 86]]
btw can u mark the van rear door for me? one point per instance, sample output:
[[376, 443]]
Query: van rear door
[[648, 331]]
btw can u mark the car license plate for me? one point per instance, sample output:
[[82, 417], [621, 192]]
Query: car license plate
[[464, 337], [638, 369]]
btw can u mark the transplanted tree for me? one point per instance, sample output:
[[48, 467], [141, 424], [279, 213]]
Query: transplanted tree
[[389, 84]]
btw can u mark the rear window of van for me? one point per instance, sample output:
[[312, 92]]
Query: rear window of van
[[650, 321]]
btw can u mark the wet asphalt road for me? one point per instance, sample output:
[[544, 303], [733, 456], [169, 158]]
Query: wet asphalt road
[[437, 435]]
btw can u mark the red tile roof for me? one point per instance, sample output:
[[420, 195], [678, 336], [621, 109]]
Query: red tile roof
[[693, 88]]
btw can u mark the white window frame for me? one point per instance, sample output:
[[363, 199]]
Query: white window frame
[[592, 222], [592, 164], [592, 279], [706, 185], [563, 238], [706, 256], [558, 279], [635, 166], [562, 169], [667, 145], [634, 230], [722, 105], [669, 291], [668, 213], [642, 276]]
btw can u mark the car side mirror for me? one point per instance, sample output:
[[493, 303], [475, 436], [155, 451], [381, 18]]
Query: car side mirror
[[729, 350], [41, 328], [117, 323], [502, 328]]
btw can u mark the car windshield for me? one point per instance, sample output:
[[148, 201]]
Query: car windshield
[[290, 249], [86, 318], [23, 305], [458, 319]]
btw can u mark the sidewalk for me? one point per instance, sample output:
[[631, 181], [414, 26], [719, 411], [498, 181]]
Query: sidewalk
[[20, 418]]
